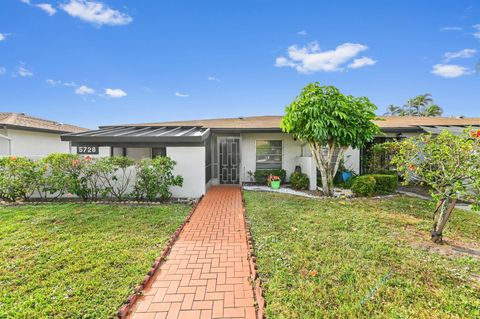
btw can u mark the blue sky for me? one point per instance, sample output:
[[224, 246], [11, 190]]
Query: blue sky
[[93, 63]]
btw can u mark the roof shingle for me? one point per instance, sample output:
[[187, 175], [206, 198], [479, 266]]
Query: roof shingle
[[25, 121], [269, 122]]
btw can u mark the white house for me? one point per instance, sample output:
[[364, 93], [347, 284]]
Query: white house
[[227, 151], [23, 135]]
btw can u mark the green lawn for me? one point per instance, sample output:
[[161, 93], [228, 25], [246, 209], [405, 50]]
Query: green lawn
[[78, 261], [355, 259]]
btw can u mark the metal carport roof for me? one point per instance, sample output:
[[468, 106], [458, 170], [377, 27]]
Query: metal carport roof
[[141, 134]]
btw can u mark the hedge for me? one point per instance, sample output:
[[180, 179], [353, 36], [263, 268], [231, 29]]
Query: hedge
[[364, 185], [367, 185], [88, 178], [385, 183]]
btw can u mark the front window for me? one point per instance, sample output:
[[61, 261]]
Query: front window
[[269, 154], [159, 151]]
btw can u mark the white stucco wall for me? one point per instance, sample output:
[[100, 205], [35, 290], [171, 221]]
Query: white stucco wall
[[36, 144], [308, 167], [191, 166], [352, 159], [4, 146], [291, 151]]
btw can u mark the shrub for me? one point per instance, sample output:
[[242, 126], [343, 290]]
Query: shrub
[[115, 175], [261, 175], [59, 174], [364, 185], [385, 183], [155, 177], [299, 180], [18, 176]]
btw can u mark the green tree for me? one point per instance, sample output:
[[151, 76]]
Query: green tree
[[330, 123], [448, 164], [420, 105]]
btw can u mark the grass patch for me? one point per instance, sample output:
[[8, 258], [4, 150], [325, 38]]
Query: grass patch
[[355, 259], [78, 260]]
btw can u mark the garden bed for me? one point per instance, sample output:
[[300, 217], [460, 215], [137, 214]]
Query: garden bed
[[78, 260], [362, 259]]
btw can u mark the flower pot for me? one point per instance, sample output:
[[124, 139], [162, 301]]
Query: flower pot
[[275, 184], [346, 176]]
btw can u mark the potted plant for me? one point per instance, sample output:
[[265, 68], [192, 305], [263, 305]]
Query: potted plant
[[274, 181]]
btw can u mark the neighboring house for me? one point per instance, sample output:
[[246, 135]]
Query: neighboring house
[[228, 151], [24, 135]]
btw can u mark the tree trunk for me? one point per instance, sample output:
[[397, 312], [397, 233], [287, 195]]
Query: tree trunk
[[327, 164], [442, 213]]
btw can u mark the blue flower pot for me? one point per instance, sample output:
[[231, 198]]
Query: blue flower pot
[[346, 176]]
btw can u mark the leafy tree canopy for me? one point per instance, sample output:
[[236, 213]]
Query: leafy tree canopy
[[322, 114]]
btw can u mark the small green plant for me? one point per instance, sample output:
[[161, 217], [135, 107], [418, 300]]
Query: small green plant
[[155, 177], [364, 185], [261, 175], [299, 180]]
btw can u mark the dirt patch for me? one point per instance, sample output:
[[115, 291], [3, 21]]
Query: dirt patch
[[449, 248]]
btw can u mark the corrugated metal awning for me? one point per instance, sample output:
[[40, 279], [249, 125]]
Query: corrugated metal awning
[[133, 134], [457, 130]]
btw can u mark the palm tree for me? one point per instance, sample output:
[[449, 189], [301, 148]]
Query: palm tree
[[432, 110], [420, 105], [392, 110]]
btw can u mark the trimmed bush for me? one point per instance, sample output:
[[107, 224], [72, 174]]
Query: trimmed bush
[[385, 183], [364, 185], [154, 178], [261, 175], [18, 178], [299, 180]]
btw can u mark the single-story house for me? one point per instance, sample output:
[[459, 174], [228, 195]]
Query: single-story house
[[24, 135], [228, 151]]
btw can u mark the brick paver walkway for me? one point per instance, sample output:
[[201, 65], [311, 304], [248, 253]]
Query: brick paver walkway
[[207, 272]]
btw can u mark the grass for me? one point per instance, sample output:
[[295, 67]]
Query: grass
[[75, 260], [356, 259]]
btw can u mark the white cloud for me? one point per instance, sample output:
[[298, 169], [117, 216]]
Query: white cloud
[[53, 82], [302, 33], [450, 70], [361, 62], [181, 94], [212, 78], [24, 72], [310, 58], [3, 70], [115, 93], [476, 34], [70, 84], [47, 7], [95, 12], [84, 90], [451, 29], [465, 53], [3, 36]]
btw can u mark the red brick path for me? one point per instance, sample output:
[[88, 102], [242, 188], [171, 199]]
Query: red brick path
[[207, 272]]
